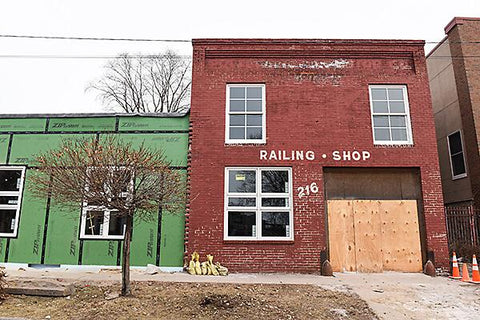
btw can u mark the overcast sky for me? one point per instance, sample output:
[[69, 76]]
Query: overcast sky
[[29, 85]]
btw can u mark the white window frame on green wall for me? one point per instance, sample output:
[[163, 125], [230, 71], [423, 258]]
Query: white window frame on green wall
[[13, 205], [107, 214]]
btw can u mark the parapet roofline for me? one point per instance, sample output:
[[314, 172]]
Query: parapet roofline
[[267, 41], [458, 20], [92, 115]]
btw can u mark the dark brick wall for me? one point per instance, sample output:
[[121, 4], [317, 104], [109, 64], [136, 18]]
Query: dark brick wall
[[462, 34], [310, 105]]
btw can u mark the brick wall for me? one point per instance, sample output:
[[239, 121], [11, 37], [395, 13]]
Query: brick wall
[[462, 34], [316, 99]]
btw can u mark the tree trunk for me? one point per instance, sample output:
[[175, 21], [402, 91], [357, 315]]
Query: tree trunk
[[126, 290]]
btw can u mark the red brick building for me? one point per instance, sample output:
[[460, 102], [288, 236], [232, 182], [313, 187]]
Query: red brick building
[[303, 150]]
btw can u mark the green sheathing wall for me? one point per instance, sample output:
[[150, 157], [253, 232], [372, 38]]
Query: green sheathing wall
[[174, 145], [62, 242], [149, 124], [27, 248], [81, 124], [171, 248], [100, 252], [173, 234], [62, 245], [3, 246], [22, 124], [4, 138], [26, 147], [144, 243]]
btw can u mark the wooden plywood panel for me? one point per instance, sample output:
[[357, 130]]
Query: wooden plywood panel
[[341, 235], [368, 236], [401, 237]]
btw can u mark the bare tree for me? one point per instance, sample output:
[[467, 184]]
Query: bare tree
[[131, 182], [157, 83]]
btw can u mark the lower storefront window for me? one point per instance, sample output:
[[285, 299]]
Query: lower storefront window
[[258, 204]]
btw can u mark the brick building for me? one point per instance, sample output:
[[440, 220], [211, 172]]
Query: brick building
[[454, 75], [303, 150]]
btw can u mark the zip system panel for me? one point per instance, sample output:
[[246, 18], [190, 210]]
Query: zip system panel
[[49, 233]]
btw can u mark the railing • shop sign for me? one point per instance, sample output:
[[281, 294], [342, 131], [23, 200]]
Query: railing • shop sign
[[309, 155]]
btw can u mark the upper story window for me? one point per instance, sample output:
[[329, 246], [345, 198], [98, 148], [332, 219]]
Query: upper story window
[[258, 204], [245, 118], [390, 114], [457, 158], [11, 188]]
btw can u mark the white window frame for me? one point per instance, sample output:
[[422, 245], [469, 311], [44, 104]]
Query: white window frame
[[409, 140], [106, 219], [258, 209], [458, 176], [18, 194], [105, 227], [228, 113]]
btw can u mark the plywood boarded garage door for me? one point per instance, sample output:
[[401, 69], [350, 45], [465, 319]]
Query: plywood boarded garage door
[[374, 235]]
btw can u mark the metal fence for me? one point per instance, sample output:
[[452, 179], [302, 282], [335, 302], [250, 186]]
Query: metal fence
[[463, 225]]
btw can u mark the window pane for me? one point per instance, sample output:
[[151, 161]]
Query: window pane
[[382, 134], [254, 132], [395, 94], [380, 107], [274, 181], [254, 92], [9, 200], [242, 202], [254, 105], [237, 105], [274, 202], [397, 107], [241, 224], [275, 224], [94, 223], [398, 121], [237, 120], [116, 225], [458, 164], [455, 143], [399, 134], [254, 120], [7, 221], [380, 121], [379, 94], [241, 181], [237, 133], [10, 180], [237, 92]]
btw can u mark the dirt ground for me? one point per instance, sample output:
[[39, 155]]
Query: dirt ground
[[391, 295], [167, 300]]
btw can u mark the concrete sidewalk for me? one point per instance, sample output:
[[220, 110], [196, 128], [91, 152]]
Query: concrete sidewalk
[[391, 295]]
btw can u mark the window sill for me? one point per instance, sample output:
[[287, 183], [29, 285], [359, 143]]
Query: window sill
[[104, 239], [393, 145], [259, 242], [460, 176]]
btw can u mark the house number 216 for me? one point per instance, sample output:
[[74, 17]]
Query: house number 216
[[305, 191]]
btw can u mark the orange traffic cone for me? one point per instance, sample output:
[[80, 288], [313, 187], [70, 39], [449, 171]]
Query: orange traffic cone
[[465, 276], [455, 270], [475, 273]]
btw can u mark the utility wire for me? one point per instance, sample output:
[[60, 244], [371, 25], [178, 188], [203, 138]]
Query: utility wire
[[166, 40], [90, 38], [149, 56]]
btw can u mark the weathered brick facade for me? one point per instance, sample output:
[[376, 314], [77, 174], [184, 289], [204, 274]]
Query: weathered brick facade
[[454, 68], [317, 98]]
